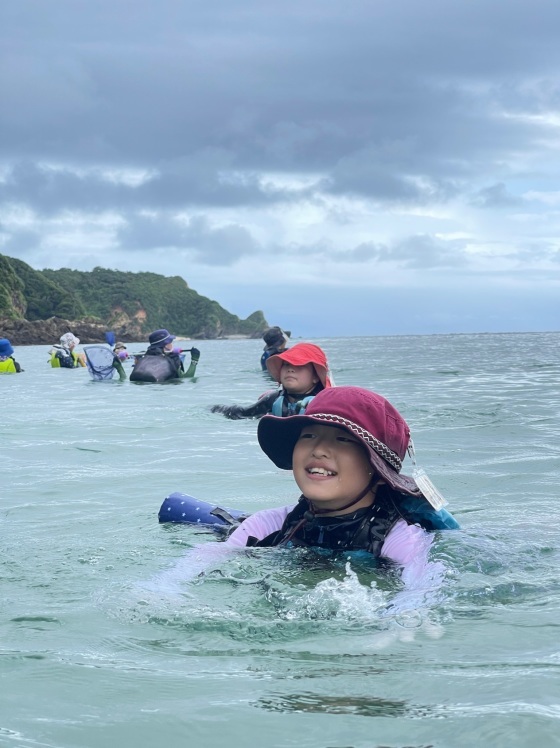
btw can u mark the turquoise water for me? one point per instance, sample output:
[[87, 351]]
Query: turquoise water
[[272, 649]]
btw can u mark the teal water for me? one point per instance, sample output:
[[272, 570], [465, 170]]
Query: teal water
[[270, 649]]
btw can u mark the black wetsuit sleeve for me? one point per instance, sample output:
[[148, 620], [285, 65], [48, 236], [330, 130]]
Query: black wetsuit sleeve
[[258, 409]]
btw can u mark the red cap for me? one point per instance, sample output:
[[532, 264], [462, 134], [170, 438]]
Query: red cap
[[299, 355]]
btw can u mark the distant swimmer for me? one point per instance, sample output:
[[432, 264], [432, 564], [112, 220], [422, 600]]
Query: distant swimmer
[[8, 364], [276, 340], [162, 361], [301, 371], [64, 356]]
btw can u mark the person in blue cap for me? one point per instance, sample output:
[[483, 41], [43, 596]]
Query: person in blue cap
[[8, 364], [162, 361]]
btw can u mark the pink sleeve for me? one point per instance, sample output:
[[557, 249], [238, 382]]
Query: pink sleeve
[[259, 525], [406, 543], [409, 546]]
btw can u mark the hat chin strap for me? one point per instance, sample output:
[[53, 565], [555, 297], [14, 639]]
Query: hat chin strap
[[374, 480]]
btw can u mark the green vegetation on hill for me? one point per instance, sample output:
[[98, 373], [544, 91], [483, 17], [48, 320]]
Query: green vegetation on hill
[[28, 294], [134, 303]]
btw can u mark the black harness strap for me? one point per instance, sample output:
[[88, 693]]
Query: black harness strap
[[365, 529]]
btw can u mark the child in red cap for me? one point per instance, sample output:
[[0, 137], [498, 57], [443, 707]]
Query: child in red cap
[[301, 371]]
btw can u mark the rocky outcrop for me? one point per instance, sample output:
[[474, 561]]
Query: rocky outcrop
[[48, 331]]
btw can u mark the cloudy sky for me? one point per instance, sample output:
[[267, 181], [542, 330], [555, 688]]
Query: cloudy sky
[[355, 167]]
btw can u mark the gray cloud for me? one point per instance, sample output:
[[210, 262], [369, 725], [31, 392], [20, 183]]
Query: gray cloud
[[495, 196], [398, 122], [426, 252], [273, 86], [420, 251], [196, 182], [208, 245]]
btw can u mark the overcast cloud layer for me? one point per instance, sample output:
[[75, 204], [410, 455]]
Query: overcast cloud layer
[[350, 168]]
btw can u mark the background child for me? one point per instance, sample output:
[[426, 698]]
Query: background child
[[64, 356], [302, 371], [8, 364], [275, 342]]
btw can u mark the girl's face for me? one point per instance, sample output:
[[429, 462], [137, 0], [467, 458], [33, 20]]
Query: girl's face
[[331, 467], [298, 379]]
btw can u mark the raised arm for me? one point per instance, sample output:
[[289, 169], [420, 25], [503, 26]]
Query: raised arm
[[195, 357]]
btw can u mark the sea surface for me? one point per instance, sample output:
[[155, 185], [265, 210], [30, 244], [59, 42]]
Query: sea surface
[[273, 648]]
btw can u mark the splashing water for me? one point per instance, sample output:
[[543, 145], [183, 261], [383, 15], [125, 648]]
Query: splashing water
[[345, 599]]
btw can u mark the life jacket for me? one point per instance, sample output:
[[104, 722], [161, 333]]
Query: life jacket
[[7, 365], [62, 358], [365, 529], [283, 407]]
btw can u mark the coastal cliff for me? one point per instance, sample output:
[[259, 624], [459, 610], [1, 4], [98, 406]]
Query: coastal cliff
[[37, 306]]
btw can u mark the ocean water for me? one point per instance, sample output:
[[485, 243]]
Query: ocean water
[[272, 648]]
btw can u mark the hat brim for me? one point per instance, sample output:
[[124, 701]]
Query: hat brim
[[274, 365], [164, 342], [278, 436]]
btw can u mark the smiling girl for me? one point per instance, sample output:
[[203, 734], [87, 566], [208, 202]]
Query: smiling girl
[[346, 454]]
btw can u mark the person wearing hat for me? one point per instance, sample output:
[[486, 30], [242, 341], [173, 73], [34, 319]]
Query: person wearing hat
[[275, 342], [8, 364], [64, 356], [120, 351], [120, 354], [162, 361], [346, 455], [301, 371]]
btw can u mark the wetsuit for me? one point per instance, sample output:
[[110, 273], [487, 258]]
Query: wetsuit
[[391, 527], [157, 365]]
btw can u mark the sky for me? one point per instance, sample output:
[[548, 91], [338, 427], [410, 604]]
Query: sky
[[356, 167]]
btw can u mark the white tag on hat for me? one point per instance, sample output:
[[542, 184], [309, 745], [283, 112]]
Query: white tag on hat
[[428, 489]]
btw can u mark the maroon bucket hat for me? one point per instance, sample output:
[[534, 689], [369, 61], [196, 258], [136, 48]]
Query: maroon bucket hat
[[369, 416]]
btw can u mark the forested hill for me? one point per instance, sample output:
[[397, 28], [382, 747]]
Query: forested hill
[[130, 304]]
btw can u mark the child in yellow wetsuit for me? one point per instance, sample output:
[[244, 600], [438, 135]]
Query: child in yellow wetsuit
[[8, 364], [64, 356]]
